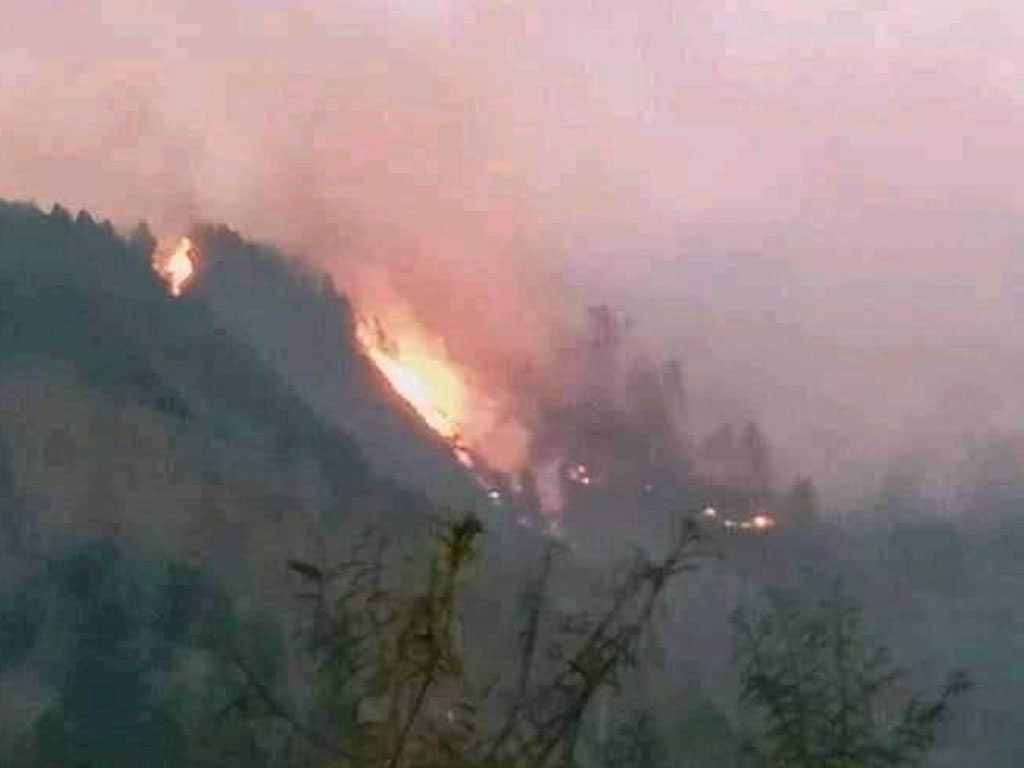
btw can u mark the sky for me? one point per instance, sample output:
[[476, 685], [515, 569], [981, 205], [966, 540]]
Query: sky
[[815, 205]]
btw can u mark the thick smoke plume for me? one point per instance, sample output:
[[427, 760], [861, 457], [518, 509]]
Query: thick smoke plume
[[815, 205]]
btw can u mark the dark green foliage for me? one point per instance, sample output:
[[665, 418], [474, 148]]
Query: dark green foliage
[[108, 710], [271, 301], [20, 620], [372, 648], [109, 637], [708, 739], [636, 744], [75, 295], [392, 687], [596, 649], [825, 695], [142, 241], [165, 394], [141, 662]]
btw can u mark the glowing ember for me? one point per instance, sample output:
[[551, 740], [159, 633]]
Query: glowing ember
[[178, 268], [423, 377], [578, 473], [761, 521]]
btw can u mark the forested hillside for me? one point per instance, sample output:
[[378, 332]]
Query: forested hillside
[[305, 330], [127, 411], [138, 431], [225, 542]]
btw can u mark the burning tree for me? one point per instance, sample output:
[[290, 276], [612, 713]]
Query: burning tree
[[176, 265]]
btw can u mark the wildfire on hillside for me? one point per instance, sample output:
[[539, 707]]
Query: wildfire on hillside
[[451, 402], [574, 459], [580, 453], [420, 371], [176, 265], [420, 375], [571, 457]]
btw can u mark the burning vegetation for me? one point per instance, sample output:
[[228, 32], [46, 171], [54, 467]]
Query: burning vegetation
[[617, 436], [176, 265], [519, 661], [421, 374]]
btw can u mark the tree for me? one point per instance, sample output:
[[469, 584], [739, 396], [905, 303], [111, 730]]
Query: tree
[[392, 689], [755, 460], [718, 454], [802, 502], [824, 695], [142, 240]]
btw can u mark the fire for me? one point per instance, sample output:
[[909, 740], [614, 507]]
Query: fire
[[445, 394], [579, 474], [421, 374], [178, 268], [761, 521]]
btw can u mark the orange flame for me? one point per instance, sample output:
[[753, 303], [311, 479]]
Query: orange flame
[[178, 268], [451, 398], [420, 372]]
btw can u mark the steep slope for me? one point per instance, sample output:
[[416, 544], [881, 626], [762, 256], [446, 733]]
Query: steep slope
[[126, 412], [305, 330]]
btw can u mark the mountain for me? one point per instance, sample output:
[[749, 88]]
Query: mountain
[[161, 459], [182, 426]]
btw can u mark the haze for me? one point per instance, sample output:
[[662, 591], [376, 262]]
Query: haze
[[815, 205]]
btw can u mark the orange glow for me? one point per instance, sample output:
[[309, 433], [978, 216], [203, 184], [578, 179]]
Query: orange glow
[[420, 372], [761, 521], [447, 394], [178, 268]]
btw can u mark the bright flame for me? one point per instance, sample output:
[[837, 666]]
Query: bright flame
[[423, 376], [479, 427], [178, 268]]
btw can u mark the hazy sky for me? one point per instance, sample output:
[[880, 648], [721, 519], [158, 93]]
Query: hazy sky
[[816, 204]]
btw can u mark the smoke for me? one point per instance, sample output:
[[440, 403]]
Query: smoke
[[815, 205]]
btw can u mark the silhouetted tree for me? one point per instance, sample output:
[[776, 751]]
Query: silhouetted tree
[[718, 454], [392, 691], [655, 438], [755, 460], [674, 385], [825, 695], [142, 239], [802, 502], [60, 216]]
